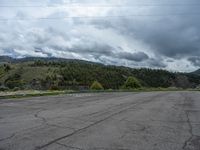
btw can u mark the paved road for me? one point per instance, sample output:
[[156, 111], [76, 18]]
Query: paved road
[[108, 121]]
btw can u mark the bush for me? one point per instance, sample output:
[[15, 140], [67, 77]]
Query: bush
[[3, 88], [132, 83], [110, 90], [96, 86], [6, 68], [14, 81], [54, 88], [16, 89], [13, 84]]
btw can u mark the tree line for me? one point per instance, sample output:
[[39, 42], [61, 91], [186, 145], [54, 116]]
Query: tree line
[[74, 74]]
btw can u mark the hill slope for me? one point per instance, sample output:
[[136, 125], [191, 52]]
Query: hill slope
[[54, 73], [197, 72]]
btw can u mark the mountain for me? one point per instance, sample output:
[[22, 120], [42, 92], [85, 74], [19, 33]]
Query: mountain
[[6, 59], [197, 72], [59, 73]]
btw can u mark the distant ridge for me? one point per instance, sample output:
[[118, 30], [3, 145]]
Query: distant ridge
[[197, 72], [6, 59], [9, 59]]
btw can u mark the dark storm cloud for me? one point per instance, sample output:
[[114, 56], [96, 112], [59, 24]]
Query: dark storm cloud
[[97, 51], [172, 32], [170, 60], [195, 61], [39, 50], [94, 49], [157, 63], [167, 37], [139, 56], [174, 36], [172, 41]]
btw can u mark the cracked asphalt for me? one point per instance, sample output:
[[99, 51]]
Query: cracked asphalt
[[102, 121]]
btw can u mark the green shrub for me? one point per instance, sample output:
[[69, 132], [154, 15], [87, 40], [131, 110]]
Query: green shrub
[[7, 68], [110, 90], [96, 86], [54, 88], [13, 84], [3, 88], [132, 83], [16, 89], [14, 81]]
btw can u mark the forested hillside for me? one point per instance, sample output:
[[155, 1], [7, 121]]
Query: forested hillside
[[55, 73], [197, 72]]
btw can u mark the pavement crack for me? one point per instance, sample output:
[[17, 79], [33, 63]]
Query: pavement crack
[[67, 146], [81, 129], [45, 121], [7, 138], [193, 141], [93, 124], [40, 117], [190, 131], [104, 148]]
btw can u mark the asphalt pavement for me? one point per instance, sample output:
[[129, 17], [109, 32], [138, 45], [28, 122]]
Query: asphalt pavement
[[102, 121]]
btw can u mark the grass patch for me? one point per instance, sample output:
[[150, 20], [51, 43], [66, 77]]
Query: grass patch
[[31, 93], [21, 94]]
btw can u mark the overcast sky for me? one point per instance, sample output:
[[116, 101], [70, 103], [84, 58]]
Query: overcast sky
[[136, 33]]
